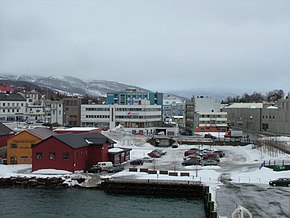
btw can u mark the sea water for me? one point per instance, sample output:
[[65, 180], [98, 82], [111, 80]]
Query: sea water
[[73, 202]]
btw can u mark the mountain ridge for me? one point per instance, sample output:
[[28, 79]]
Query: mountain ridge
[[72, 85]]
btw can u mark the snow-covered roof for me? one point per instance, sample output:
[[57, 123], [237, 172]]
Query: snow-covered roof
[[118, 150], [77, 129], [177, 117], [246, 105], [272, 107]]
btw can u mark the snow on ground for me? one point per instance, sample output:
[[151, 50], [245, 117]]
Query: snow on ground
[[7, 171], [245, 167]]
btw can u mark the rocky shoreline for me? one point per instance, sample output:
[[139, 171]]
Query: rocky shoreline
[[36, 182]]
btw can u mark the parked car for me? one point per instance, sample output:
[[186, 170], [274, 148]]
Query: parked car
[[190, 161], [220, 153], [209, 162], [206, 151], [174, 145], [29, 121], [192, 151], [280, 182], [104, 165], [208, 135], [93, 169], [162, 152], [116, 168], [137, 162], [211, 156], [147, 159], [154, 154]]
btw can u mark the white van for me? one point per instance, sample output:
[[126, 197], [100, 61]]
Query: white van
[[104, 165]]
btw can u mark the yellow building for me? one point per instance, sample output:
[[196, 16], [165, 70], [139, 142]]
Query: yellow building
[[19, 146]]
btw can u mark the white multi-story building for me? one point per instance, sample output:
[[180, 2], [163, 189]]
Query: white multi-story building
[[141, 118], [204, 115], [35, 112], [210, 121], [12, 107], [172, 106], [54, 112]]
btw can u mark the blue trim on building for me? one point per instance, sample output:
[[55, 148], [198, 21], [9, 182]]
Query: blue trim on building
[[131, 97]]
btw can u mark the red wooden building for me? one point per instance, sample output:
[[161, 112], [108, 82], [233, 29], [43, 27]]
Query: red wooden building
[[71, 152]]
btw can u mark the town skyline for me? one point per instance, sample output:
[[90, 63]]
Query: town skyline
[[65, 80]]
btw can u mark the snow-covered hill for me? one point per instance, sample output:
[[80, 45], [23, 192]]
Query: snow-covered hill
[[72, 85]]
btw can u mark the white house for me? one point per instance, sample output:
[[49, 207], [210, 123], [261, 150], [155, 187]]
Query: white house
[[12, 107]]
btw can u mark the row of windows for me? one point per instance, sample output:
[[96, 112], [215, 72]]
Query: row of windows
[[211, 122], [207, 129], [10, 110], [270, 117], [52, 156], [97, 109], [132, 95], [213, 116], [11, 104], [24, 159], [124, 109], [138, 109], [125, 117], [97, 116], [139, 117]]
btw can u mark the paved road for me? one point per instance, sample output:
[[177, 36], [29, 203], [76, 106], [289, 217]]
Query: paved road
[[262, 201]]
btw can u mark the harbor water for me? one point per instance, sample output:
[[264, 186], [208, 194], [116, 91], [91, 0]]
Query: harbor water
[[73, 202]]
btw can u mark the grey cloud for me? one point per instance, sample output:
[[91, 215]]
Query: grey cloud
[[160, 44]]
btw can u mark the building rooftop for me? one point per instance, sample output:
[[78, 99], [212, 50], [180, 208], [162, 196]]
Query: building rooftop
[[11, 97], [4, 130], [83, 139], [245, 105], [41, 132]]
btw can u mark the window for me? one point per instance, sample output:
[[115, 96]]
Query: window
[[24, 158], [52, 155], [13, 145], [39, 155], [66, 156]]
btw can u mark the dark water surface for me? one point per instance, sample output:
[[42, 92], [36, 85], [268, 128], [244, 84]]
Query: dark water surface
[[21, 202]]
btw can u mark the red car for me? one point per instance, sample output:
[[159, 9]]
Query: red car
[[192, 151], [212, 156], [154, 154]]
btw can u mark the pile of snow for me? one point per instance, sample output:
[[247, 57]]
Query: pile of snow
[[7, 171], [51, 172]]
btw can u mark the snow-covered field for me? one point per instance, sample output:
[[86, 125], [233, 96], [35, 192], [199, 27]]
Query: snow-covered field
[[241, 164]]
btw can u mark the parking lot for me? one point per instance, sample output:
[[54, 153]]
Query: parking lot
[[249, 186]]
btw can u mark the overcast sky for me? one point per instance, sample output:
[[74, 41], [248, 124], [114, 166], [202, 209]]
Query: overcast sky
[[160, 45]]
